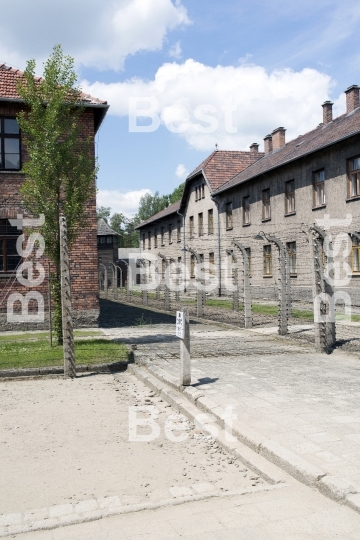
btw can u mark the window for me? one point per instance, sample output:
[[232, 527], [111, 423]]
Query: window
[[246, 210], [170, 233], [229, 215], [143, 241], [248, 252], [109, 240], [290, 197], [319, 188], [203, 191], [201, 224], [191, 220], [163, 268], [267, 261], [266, 214], [355, 262], [210, 221], [155, 238], [196, 194], [212, 263], [162, 236], [192, 266], [291, 250], [9, 257], [9, 144], [149, 239], [354, 190], [178, 231]]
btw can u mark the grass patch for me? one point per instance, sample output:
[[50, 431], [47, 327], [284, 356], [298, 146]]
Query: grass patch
[[223, 304], [44, 335], [39, 353]]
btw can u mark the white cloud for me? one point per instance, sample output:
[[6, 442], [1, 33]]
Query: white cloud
[[97, 35], [262, 101], [175, 51], [181, 172], [126, 203]]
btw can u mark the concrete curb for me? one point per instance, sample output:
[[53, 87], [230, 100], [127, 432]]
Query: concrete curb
[[337, 489], [59, 370]]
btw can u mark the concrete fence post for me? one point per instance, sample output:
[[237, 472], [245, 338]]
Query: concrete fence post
[[143, 282], [128, 280], [104, 269], [284, 301], [236, 280], [200, 294], [247, 291], [67, 322], [167, 300], [185, 358]]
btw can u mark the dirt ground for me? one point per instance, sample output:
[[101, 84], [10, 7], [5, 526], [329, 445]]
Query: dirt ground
[[67, 441]]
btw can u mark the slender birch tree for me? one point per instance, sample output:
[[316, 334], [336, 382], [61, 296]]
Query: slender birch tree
[[60, 169]]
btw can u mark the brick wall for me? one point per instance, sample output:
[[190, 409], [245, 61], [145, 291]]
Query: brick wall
[[83, 256]]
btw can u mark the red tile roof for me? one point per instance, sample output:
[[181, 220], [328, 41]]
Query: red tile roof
[[222, 165], [324, 135], [9, 77], [172, 209]]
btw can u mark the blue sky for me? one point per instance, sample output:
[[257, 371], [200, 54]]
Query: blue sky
[[267, 64]]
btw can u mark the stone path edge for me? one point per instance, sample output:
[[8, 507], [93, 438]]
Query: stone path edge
[[182, 398], [114, 367], [73, 518]]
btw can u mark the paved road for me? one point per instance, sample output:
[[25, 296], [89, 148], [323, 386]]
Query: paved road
[[307, 402]]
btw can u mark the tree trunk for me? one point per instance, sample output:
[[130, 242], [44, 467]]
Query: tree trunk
[[56, 293]]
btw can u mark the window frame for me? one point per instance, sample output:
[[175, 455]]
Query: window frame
[[291, 252], [352, 173], [155, 238], [192, 265], [266, 205], [267, 256], [316, 184], [201, 224], [149, 239], [162, 233], [229, 215], [191, 226], [211, 221], [355, 248], [170, 232], [212, 270], [178, 230], [3, 248], [290, 207], [4, 136], [143, 241], [246, 210]]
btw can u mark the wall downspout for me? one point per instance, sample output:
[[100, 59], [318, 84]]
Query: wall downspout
[[219, 245], [183, 223]]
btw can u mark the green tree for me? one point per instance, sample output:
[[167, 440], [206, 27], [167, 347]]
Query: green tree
[[176, 194], [103, 212], [61, 170]]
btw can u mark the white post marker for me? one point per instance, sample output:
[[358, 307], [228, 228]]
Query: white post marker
[[183, 332]]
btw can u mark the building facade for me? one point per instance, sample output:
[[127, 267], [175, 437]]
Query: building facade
[[84, 255], [291, 186]]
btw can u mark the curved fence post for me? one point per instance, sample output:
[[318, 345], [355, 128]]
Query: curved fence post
[[128, 281], [236, 281], [199, 293], [247, 291], [105, 279]]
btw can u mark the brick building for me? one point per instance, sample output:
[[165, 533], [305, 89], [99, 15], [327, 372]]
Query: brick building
[[84, 255], [290, 186]]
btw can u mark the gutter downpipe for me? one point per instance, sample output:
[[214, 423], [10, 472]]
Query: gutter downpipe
[[183, 222], [219, 243]]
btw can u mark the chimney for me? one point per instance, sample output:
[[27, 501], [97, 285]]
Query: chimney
[[278, 138], [352, 98], [268, 144], [254, 148], [327, 112]]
